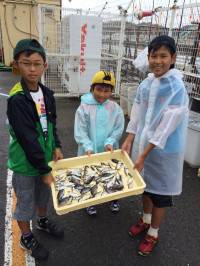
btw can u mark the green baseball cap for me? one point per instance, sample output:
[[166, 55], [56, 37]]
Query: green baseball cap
[[29, 44]]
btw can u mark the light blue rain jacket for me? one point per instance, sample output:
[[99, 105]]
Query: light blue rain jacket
[[159, 116], [97, 125]]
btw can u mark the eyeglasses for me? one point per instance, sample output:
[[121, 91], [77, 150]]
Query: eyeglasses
[[30, 64]]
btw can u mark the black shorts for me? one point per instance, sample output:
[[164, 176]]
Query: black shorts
[[160, 201]]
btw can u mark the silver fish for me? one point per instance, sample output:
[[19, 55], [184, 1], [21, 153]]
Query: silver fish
[[85, 190], [94, 190], [75, 179], [61, 194], [106, 179], [88, 179], [66, 200], [79, 187]]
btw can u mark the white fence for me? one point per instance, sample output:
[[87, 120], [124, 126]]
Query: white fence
[[123, 36]]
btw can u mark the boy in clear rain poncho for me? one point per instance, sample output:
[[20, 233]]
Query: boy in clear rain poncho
[[156, 135], [99, 122]]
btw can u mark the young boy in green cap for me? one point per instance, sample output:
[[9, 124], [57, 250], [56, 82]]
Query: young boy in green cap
[[34, 142]]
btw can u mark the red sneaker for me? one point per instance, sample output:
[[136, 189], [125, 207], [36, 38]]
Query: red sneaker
[[147, 245], [138, 228]]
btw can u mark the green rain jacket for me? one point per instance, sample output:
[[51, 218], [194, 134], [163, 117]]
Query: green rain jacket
[[29, 150]]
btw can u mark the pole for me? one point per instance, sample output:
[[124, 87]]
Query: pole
[[195, 50], [171, 25], [41, 30], [123, 13], [120, 53]]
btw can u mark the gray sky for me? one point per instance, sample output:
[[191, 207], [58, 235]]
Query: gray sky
[[97, 5], [189, 14]]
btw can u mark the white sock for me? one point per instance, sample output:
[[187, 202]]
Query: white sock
[[153, 231], [146, 218]]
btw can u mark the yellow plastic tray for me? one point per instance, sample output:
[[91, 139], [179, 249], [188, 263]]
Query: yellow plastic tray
[[138, 187]]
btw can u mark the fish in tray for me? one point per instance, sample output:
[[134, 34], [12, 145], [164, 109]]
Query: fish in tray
[[90, 181], [64, 197]]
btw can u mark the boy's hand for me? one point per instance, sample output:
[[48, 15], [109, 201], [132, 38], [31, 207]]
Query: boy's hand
[[57, 154], [48, 179], [89, 152], [139, 163], [126, 146], [109, 147]]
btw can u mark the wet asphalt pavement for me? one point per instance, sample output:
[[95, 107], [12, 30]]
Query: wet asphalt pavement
[[104, 241]]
